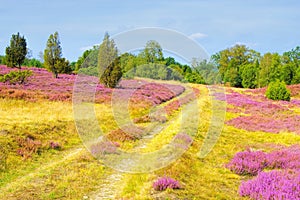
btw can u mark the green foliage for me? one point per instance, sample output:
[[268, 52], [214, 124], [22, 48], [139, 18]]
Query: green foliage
[[16, 52], [87, 63], [270, 65], [169, 61], [234, 67], [194, 77], [108, 52], [152, 52], [231, 61], [53, 60], [16, 77], [249, 75], [73, 66], [155, 71], [287, 73], [128, 63], [149, 63], [291, 60], [296, 78], [232, 77], [33, 63], [2, 60], [208, 71], [277, 91], [112, 74], [90, 71], [63, 66]]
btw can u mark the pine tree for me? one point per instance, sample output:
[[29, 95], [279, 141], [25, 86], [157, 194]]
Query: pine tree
[[112, 74], [110, 71], [16, 52], [53, 60]]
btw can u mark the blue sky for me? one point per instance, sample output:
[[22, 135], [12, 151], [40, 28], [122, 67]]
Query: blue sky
[[266, 26]]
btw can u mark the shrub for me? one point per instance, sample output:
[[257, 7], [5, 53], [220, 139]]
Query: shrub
[[104, 147], [248, 162], [272, 185], [16, 77], [112, 74], [253, 162], [277, 91], [164, 183], [28, 147]]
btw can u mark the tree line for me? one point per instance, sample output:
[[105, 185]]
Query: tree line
[[148, 63], [238, 66]]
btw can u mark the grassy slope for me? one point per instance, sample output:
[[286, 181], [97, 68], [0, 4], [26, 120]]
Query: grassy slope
[[205, 178], [72, 173]]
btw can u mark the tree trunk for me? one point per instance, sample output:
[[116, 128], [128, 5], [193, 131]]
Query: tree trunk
[[55, 74]]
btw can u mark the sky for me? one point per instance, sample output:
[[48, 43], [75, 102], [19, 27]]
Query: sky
[[263, 25]]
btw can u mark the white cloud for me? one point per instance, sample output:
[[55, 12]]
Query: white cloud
[[197, 35]]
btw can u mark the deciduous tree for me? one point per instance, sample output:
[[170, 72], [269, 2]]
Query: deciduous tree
[[152, 52]]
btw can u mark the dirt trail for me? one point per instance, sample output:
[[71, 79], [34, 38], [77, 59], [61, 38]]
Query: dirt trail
[[112, 185], [109, 187]]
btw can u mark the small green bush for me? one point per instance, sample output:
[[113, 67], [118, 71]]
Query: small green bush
[[16, 77], [277, 91]]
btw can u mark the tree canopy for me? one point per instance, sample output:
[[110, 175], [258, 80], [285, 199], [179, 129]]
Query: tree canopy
[[16, 52], [152, 52], [53, 60], [243, 67], [110, 70]]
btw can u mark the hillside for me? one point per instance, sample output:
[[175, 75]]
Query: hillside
[[43, 157]]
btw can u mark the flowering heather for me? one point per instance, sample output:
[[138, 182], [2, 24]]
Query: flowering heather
[[175, 105], [248, 162], [295, 90], [252, 105], [104, 147], [164, 183], [283, 184], [169, 108], [182, 140], [288, 123], [295, 102], [285, 158], [42, 85], [262, 114], [156, 93], [279, 185], [253, 162]]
